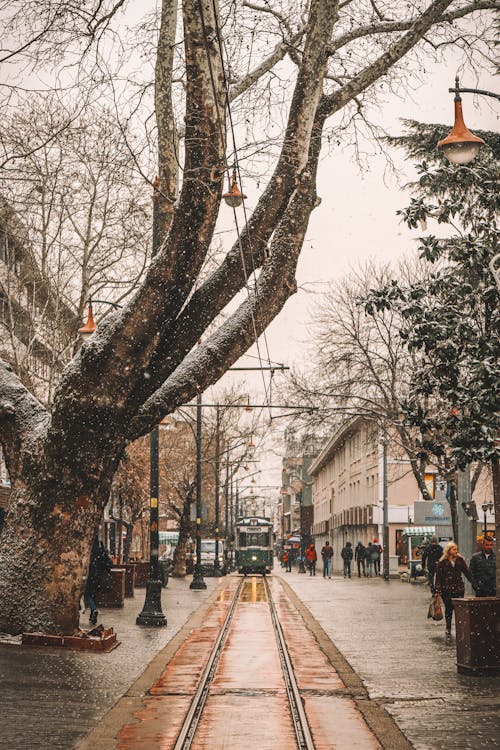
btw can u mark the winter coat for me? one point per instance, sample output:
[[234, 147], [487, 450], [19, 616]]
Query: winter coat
[[327, 552], [431, 555], [346, 553], [375, 551], [449, 577], [360, 552], [311, 555], [99, 569], [483, 572]]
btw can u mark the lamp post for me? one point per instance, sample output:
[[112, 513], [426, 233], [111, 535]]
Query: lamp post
[[217, 568], [152, 613], [486, 507], [460, 145], [302, 567], [198, 583]]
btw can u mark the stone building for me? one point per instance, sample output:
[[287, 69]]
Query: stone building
[[295, 511], [347, 480]]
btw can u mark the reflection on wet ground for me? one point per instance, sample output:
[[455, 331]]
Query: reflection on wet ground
[[253, 590], [247, 704]]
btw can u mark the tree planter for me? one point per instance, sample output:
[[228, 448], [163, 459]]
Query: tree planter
[[478, 635]]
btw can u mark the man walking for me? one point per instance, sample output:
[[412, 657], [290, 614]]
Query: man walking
[[432, 553], [346, 556], [327, 554], [359, 556], [483, 568]]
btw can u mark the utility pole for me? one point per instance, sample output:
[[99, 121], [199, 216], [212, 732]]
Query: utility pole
[[385, 499]]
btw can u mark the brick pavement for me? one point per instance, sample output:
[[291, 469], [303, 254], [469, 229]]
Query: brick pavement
[[382, 629]]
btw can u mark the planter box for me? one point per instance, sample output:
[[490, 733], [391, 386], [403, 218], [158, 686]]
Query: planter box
[[129, 569], [114, 599], [477, 621]]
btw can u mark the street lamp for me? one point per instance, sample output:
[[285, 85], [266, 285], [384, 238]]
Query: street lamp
[[198, 583], [486, 506], [460, 145], [234, 197], [152, 613]]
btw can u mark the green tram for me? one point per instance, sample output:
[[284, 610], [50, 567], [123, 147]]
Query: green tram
[[254, 545]]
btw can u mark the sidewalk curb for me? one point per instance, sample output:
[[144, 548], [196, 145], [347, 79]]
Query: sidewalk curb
[[104, 735], [381, 723]]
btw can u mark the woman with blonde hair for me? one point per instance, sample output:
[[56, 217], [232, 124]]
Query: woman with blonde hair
[[449, 582]]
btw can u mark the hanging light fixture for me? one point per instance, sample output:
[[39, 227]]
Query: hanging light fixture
[[251, 443], [460, 145], [248, 407], [234, 197], [88, 329]]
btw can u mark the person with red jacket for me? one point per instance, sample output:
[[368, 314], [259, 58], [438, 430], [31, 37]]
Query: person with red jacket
[[449, 581], [311, 558]]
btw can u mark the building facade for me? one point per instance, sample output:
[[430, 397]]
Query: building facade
[[295, 506], [348, 489]]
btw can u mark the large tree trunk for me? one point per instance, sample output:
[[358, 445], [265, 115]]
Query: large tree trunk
[[44, 557]]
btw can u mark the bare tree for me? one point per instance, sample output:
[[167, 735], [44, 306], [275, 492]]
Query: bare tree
[[143, 362]]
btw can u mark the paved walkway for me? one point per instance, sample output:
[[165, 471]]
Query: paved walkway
[[52, 698], [382, 630]]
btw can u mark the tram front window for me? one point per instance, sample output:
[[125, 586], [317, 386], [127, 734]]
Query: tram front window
[[254, 539]]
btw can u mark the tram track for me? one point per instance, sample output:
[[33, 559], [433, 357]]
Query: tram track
[[299, 718], [194, 715]]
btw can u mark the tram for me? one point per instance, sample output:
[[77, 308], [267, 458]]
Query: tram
[[254, 545]]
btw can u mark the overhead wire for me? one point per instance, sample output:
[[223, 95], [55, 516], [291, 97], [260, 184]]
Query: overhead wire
[[223, 137]]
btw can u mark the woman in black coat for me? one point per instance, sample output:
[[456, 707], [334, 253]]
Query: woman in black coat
[[449, 582]]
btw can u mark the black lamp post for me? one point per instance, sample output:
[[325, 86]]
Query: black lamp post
[[217, 568], [302, 567], [152, 613], [198, 583]]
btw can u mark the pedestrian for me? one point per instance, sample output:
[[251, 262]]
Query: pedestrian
[[449, 583], [327, 554], [369, 559], [98, 579], [346, 556], [376, 553], [311, 558], [288, 561], [359, 556], [430, 557], [483, 567]]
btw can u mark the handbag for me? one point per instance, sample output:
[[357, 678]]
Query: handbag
[[435, 611]]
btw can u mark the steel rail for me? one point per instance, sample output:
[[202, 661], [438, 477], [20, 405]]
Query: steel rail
[[299, 718], [186, 735]]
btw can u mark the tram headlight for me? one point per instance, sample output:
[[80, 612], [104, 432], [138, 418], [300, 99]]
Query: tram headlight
[[254, 557]]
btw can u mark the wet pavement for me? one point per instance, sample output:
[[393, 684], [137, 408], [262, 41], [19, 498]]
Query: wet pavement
[[382, 629], [50, 698]]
